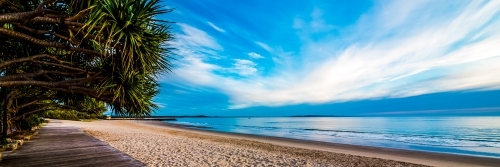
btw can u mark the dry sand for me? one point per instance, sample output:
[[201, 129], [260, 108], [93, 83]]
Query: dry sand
[[157, 145]]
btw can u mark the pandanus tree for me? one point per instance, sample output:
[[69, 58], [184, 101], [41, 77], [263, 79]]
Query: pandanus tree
[[61, 53]]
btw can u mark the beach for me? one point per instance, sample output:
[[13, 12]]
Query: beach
[[158, 144]]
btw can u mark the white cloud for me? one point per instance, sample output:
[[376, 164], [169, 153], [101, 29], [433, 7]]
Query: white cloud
[[196, 38], [255, 55], [244, 67], [315, 24], [480, 75], [393, 51], [161, 105], [194, 46], [215, 27], [465, 110], [279, 56], [265, 46]]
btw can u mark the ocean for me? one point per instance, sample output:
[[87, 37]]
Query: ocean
[[476, 136]]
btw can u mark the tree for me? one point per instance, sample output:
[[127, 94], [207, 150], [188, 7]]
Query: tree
[[57, 53]]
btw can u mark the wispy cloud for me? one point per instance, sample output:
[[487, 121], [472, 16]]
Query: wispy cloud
[[196, 38], [161, 105], [265, 46], [255, 55], [455, 111], [316, 23], [395, 50], [244, 67], [194, 46], [215, 27]]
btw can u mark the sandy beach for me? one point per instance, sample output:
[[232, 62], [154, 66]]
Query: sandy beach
[[158, 144]]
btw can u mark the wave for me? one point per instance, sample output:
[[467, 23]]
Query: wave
[[419, 139], [332, 135]]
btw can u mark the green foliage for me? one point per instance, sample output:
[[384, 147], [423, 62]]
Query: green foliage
[[133, 23], [3, 140], [68, 59], [62, 114], [71, 115], [31, 121], [89, 109], [142, 55]]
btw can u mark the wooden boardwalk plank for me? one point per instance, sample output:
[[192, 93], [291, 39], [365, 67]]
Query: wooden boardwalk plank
[[66, 146]]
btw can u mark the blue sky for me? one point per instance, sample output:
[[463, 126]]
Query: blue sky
[[333, 57]]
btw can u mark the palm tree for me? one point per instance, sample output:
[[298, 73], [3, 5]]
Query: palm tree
[[107, 50], [135, 43]]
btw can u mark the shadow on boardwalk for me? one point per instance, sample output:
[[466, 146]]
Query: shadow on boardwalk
[[66, 146]]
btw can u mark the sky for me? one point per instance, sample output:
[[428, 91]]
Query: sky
[[332, 57]]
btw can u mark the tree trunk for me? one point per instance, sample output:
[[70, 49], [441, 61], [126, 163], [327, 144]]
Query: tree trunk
[[5, 113]]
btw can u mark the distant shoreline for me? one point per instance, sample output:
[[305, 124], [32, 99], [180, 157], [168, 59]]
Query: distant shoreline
[[297, 116], [204, 116]]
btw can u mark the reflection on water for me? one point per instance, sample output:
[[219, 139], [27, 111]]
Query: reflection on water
[[461, 135]]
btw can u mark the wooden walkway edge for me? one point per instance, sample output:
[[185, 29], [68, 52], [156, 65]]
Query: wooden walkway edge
[[66, 146]]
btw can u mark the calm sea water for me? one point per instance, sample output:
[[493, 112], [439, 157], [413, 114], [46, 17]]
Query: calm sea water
[[479, 136]]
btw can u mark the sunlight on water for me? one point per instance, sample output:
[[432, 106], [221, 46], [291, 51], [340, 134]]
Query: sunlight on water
[[478, 136]]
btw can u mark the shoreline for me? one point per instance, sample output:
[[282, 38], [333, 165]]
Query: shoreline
[[410, 156], [209, 129], [156, 143]]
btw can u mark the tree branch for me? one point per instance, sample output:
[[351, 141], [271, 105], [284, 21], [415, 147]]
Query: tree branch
[[24, 16], [45, 43], [80, 15], [24, 59], [41, 32], [59, 65], [64, 87], [38, 99], [39, 72], [17, 76], [103, 96], [39, 19], [45, 108]]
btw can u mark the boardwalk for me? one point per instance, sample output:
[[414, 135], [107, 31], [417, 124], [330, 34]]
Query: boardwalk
[[66, 146]]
